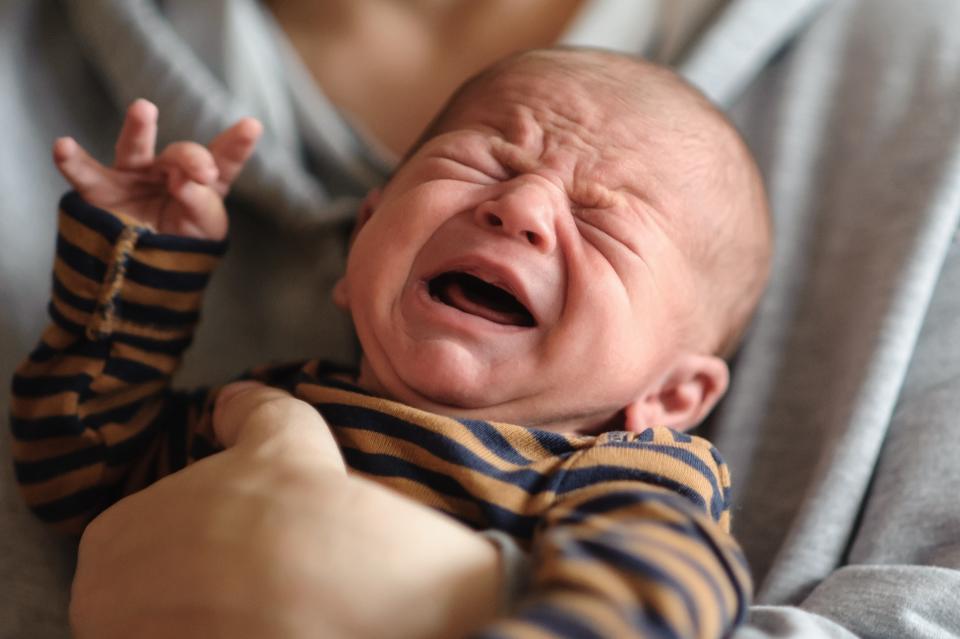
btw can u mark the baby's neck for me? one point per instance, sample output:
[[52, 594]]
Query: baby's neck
[[577, 425]]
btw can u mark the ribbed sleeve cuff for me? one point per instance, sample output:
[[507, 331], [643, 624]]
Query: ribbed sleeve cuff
[[515, 565], [113, 275]]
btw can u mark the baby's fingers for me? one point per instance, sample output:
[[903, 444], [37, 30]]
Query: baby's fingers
[[138, 137], [193, 160], [90, 178], [232, 148], [204, 215]]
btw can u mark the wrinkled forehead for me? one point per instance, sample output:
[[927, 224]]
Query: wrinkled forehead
[[537, 101], [555, 119], [601, 137]]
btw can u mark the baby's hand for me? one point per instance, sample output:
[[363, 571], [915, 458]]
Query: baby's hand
[[179, 192]]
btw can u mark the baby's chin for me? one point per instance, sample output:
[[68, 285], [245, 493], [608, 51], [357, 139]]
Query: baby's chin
[[453, 394], [441, 385]]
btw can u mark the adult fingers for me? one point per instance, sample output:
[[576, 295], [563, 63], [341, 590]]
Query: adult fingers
[[135, 144], [232, 148], [233, 406]]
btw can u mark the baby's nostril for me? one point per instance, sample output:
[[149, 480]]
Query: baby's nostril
[[531, 237], [493, 220]]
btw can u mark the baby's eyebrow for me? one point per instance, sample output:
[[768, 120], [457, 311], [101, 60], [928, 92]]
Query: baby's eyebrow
[[589, 179], [512, 157], [522, 129], [588, 193], [604, 185]]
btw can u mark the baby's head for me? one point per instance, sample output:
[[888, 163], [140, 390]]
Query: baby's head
[[576, 243]]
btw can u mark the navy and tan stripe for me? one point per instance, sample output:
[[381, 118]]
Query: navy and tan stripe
[[637, 533], [442, 446], [503, 483], [79, 294], [587, 578], [654, 580], [179, 301], [77, 506], [537, 444], [73, 260], [50, 429], [67, 316], [499, 446], [493, 441], [493, 513]]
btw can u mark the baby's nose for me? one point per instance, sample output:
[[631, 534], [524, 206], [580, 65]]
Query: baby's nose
[[525, 213]]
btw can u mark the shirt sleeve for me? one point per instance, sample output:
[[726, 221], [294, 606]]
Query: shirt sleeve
[[93, 416], [637, 544]]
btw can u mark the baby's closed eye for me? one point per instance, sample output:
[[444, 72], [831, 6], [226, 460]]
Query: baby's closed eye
[[469, 171], [607, 229]]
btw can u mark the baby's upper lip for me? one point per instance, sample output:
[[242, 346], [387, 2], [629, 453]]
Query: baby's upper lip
[[492, 272]]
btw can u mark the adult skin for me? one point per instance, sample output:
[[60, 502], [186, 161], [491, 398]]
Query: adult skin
[[401, 66], [271, 538]]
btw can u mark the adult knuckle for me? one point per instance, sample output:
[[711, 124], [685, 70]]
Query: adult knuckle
[[96, 534]]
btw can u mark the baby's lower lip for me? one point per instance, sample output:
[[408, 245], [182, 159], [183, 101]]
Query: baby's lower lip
[[474, 296], [450, 316]]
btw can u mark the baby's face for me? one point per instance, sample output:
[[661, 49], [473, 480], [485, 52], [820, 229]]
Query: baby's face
[[525, 266]]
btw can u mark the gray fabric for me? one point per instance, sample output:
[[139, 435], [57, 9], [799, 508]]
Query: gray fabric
[[840, 427], [740, 42], [138, 54], [869, 601]]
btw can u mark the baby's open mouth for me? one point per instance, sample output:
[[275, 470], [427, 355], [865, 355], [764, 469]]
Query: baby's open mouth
[[472, 295]]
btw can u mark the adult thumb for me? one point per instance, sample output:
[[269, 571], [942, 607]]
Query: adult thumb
[[254, 416]]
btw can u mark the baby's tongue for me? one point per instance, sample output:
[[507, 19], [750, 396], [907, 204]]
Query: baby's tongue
[[484, 300]]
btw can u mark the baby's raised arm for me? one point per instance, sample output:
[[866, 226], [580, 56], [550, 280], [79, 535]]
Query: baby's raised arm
[[93, 414]]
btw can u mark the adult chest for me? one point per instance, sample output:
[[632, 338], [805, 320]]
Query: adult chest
[[389, 66]]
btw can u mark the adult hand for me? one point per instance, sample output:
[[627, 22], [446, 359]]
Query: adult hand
[[271, 538]]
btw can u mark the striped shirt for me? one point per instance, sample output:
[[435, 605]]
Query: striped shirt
[[628, 532]]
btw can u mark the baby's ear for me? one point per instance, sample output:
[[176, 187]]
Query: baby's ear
[[683, 397], [341, 296], [367, 208]]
